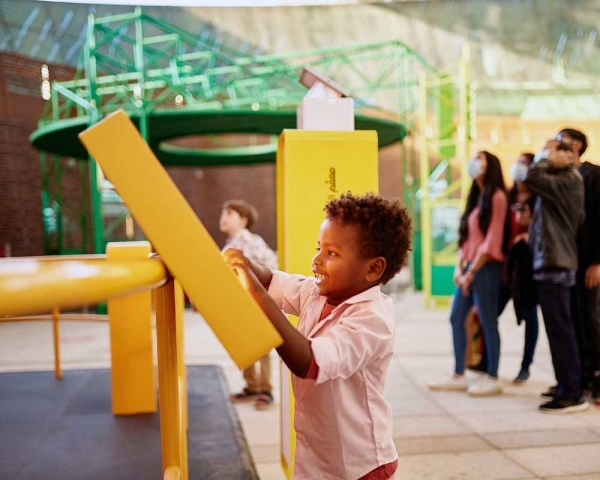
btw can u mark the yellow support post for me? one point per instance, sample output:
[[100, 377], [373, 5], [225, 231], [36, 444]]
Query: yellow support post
[[181, 375], [312, 168], [182, 241], [56, 338], [464, 122], [171, 437], [130, 321], [426, 246]]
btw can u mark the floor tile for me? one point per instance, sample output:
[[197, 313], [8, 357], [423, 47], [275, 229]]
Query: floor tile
[[559, 461], [542, 438], [519, 421], [463, 466]]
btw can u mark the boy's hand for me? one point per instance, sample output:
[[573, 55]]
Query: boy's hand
[[243, 267]]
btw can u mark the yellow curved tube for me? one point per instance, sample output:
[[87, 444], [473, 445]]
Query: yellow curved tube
[[34, 286]]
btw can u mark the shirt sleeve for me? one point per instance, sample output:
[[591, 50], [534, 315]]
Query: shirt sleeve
[[290, 292], [361, 337], [492, 244]]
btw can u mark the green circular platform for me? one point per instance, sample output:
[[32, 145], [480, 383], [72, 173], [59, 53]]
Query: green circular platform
[[60, 137]]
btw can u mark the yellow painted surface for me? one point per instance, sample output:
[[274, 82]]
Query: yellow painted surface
[[172, 473], [168, 382], [181, 375], [180, 238], [32, 286], [130, 319], [312, 168], [56, 339]]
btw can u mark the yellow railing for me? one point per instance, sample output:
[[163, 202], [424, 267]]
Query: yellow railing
[[33, 286]]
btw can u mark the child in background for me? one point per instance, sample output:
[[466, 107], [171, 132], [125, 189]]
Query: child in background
[[522, 286], [341, 351], [237, 219]]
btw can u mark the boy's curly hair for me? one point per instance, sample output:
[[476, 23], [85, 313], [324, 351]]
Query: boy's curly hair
[[384, 227]]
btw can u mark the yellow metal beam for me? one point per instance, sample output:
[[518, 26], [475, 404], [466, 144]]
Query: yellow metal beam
[[180, 238], [56, 338], [168, 383], [130, 320], [312, 168], [36, 286]]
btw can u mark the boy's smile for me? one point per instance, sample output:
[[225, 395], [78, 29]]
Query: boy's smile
[[340, 270]]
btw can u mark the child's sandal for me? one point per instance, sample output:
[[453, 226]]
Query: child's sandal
[[264, 401], [245, 396]]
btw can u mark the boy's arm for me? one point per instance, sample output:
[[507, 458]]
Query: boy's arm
[[263, 274], [295, 350]]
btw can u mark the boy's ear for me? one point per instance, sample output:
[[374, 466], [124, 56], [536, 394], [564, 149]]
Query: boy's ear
[[376, 269]]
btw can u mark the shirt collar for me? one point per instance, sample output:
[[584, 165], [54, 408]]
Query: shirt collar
[[368, 295]]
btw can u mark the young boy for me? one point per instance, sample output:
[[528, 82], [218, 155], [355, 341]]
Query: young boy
[[237, 219], [340, 353]]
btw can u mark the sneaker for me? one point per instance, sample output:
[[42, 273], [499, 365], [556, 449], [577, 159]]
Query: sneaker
[[453, 382], [522, 377], [564, 405], [549, 393], [486, 387]]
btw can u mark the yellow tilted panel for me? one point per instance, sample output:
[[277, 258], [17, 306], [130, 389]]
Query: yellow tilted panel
[[182, 241], [312, 168], [130, 319]]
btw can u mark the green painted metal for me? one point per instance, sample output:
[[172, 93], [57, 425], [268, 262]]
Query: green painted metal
[[155, 72]]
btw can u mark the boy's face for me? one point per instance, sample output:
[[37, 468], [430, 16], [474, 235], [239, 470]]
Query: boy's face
[[339, 267], [231, 222]]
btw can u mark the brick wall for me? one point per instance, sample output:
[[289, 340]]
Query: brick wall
[[20, 188]]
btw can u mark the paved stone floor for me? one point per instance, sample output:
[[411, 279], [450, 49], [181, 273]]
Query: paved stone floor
[[439, 435]]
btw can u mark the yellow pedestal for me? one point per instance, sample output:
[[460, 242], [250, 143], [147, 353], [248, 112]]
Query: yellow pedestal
[[130, 319], [312, 168], [186, 247]]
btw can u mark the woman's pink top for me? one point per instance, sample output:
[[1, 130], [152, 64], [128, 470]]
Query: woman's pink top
[[491, 243]]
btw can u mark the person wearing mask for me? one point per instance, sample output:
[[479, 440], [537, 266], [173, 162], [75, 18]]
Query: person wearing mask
[[516, 195], [483, 241], [557, 216], [522, 286], [588, 275]]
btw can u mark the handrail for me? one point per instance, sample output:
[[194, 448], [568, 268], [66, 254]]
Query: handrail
[[33, 286], [70, 317]]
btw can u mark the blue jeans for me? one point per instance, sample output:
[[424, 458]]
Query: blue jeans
[[485, 295]]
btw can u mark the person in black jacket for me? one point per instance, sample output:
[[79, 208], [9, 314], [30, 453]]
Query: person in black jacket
[[588, 275], [522, 286], [557, 217]]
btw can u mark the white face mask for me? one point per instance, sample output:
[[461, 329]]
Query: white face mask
[[543, 155], [474, 168], [518, 171]]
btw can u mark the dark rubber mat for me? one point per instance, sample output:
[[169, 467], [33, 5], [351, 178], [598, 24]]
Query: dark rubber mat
[[64, 429]]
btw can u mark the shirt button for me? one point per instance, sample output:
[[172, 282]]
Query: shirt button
[[299, 407]]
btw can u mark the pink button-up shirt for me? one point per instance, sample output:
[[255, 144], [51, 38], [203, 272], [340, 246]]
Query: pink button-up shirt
[[491, 243], [343, 424]]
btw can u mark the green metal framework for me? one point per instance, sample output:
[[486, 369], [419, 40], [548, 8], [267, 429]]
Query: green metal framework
[[445, 102], [155, 72]]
